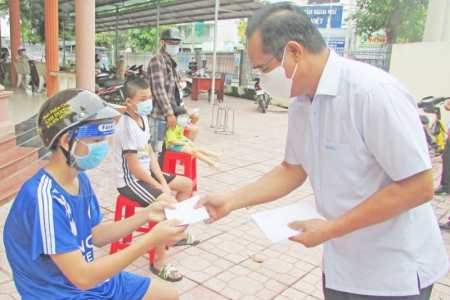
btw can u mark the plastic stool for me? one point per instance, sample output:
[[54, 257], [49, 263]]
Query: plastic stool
[[189, 163], [130, 206], [222, 122]]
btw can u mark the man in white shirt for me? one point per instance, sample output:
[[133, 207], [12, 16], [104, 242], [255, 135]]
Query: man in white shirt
[[354, 130]]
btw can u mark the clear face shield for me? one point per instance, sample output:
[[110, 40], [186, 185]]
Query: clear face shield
[[91, 144]]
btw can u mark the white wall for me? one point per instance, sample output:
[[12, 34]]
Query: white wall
[[424, 68]]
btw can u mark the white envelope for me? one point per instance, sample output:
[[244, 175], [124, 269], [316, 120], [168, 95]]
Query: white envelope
[[274, 222], [185, 211]]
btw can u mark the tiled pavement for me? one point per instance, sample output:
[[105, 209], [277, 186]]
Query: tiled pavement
[[235, 260]]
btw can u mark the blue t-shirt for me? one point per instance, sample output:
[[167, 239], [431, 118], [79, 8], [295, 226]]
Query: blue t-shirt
[[44, 219]]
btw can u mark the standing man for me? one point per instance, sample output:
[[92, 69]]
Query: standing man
[[354, 130], [164, 85]]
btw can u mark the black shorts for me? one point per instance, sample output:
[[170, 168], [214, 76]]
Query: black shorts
[[142, 192]]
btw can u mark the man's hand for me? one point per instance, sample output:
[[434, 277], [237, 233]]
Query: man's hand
[[155, 211], [171, 121], [216, 205], [313, 232]]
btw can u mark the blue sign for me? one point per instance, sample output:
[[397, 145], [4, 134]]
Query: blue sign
[[319, 15], [337, 46]]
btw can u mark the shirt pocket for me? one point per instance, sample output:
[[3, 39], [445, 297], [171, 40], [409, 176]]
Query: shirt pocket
[[339, 164]]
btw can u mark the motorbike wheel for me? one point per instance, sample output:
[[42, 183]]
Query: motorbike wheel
[[262, 103], [268, 98], [186, 92]]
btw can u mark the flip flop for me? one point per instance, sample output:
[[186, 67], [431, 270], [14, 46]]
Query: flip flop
[[165, 272], [189, 241]]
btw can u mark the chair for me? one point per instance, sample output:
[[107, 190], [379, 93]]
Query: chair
[[218, 89], [126, 208], [22, 70], [42, 72], [189, 163]]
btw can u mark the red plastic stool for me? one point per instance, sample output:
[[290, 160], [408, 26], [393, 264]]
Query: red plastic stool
[[189, 163], [130, 207]]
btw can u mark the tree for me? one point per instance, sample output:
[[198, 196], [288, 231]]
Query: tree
[[402, 20], [144, 39]]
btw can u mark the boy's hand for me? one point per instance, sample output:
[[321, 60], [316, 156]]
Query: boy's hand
[[155, 211], [166, 232]]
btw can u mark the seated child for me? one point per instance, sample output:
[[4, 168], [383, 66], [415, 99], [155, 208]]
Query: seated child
[[138, 175], [56, 220], [177, 142]]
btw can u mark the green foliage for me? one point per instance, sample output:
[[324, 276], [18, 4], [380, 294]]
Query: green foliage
[[144, 39], [402, 20], [108, 39]]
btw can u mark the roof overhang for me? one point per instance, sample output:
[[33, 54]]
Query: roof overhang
[[176, 12]]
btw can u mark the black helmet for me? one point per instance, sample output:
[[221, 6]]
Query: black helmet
[[171, 34], [68, 109]]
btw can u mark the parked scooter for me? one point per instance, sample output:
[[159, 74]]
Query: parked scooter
[[103, 75], [112, 91], [261, 96]]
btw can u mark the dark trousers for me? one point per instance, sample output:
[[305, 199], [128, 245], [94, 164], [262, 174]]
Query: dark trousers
[[445, 177], [329, 294]]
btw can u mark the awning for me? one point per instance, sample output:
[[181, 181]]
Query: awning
[[176, 12]]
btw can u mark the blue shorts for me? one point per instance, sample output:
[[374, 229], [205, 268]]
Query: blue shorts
[[176, 148], [124, 285]]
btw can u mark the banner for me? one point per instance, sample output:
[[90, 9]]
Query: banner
[[319, 15]]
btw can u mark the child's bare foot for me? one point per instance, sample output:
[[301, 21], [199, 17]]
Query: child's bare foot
[[214, 165], [219, 155]]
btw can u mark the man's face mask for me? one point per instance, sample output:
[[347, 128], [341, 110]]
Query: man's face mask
[[172, 50], [275, 82]]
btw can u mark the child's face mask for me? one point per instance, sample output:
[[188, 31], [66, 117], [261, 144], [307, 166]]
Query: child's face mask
[[182, 121]]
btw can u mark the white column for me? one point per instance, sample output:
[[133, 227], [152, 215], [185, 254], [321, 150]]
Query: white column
[[85, 41], [437, 23]]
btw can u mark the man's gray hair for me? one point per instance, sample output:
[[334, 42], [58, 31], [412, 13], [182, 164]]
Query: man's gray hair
[[280, 23]]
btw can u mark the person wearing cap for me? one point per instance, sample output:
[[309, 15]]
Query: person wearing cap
[[56, 220], [165, 88], [22, 55]]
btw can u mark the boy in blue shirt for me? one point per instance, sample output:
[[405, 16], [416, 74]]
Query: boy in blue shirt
[[55, 220]]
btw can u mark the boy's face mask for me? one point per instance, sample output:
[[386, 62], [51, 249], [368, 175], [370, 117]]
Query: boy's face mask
[[96, 154]]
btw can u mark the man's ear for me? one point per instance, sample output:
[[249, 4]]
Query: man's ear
[[296, 49]]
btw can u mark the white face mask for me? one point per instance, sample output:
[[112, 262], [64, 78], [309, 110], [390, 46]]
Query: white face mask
[[275, 82], [172, 50]]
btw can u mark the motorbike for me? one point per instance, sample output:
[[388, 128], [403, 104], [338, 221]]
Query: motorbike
[[435, 132], [135, 71], [102, 75], [261, 96], [187, 89], [112, 91]]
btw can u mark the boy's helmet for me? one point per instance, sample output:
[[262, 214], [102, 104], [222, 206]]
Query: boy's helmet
[[69, 109], [171, 34]]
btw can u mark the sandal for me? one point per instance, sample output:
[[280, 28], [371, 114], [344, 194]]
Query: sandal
[[189, 241], [165, 272]]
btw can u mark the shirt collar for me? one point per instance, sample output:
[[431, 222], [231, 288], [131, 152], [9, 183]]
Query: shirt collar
[[329, 81]]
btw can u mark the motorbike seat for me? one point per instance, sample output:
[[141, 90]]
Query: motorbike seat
[[114, 82]]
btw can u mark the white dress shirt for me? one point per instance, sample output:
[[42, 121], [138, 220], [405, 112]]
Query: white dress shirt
[[360, 133]]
